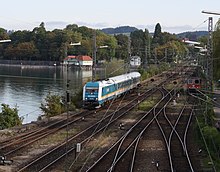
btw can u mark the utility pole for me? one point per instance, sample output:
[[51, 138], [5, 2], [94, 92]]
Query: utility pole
[[127, 62], [146, 56], [94, 57], [209, 62], [68, 101], [209, 58], [165, 55], [155, 56]]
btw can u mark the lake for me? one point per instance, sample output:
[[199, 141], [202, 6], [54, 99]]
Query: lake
[[26, 87]]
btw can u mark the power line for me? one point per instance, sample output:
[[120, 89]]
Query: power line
[[199, 25]]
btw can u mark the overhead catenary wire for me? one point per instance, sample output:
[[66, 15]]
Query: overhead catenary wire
[[193, 29], [103, 132], [103, 117]]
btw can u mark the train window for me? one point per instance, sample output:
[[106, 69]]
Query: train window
[[91, 91], [197, 81], [190, 81]]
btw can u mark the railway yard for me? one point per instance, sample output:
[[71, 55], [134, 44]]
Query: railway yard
[[148, 129]]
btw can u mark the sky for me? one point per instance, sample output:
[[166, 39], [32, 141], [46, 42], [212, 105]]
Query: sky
[[174, 16]]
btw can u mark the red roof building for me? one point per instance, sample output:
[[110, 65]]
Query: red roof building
[[84, 58], [81, 61]]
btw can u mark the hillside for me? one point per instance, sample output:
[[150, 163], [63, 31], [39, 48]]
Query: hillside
[[119, 30], [128, 29], [193, 36]]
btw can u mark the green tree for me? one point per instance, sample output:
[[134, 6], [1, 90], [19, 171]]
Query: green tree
[[72, 27], [137, 42], [20, 37], [9, 117], [216, 51], [3, 34], [121, 51], [157, 38], [52, 106], [39, 37]]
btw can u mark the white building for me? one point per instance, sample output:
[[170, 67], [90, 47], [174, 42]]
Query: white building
[[84, 61], [135, 61]]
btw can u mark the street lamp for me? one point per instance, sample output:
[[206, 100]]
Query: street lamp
[[77, 43], [94, 57], [68, 98], [6, 40], [103, 46], [210, 12]]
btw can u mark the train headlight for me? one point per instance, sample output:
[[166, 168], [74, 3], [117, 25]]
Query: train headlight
[[96, 98]]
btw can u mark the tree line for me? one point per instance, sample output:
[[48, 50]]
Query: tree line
[[42, 45], [216, 51]]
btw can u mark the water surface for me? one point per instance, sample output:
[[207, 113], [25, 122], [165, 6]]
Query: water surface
[[26, 87]]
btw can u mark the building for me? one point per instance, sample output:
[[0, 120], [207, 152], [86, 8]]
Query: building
[[84, 61], [135, 61], [70, 60], [81, 61]]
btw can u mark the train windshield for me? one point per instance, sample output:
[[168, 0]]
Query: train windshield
[[189, 81], [91, 90]]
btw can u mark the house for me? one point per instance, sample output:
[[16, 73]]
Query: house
[[81, 61], [70, 60], [135, 61], [85, 61]]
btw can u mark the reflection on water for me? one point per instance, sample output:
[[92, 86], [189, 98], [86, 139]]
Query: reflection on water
[[27, 87]]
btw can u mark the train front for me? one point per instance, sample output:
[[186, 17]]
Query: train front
[[91, 94]]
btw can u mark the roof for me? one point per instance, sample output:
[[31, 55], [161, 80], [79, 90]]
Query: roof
[[84, 58], [70, 57]]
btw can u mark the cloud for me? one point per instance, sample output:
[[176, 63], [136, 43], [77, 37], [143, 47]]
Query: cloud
[[93, 25], [51, 25]]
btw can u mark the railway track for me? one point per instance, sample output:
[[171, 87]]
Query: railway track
[[125, 154], [174, 130], [60, 151], [69, 146], [122, 155]]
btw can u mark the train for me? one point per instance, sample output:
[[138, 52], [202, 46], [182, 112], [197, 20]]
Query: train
[[193, 83], [97, 93]]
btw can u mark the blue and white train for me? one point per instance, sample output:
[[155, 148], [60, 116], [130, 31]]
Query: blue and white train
[[97, 93]]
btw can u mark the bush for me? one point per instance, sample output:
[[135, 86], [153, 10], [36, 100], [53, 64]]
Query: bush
[[9, 117], [76, 100], [53, 105]]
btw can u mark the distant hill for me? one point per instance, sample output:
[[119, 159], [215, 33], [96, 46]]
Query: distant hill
[[119, 30], [193, 36]]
